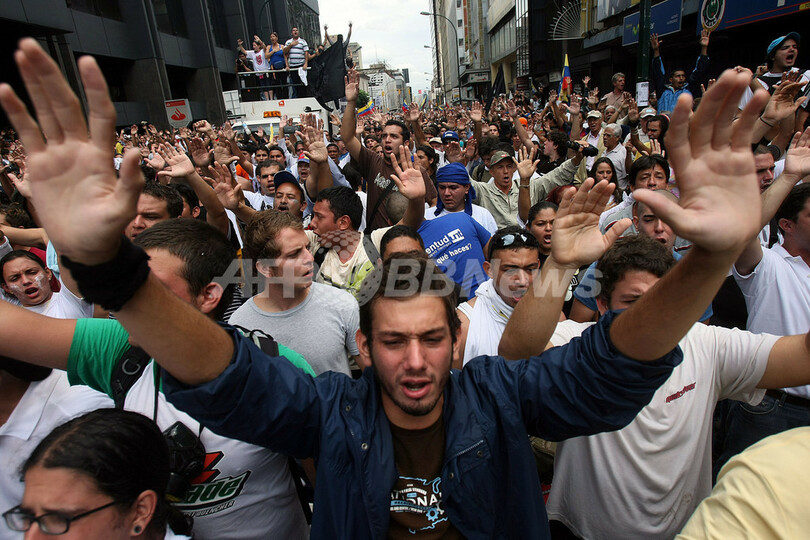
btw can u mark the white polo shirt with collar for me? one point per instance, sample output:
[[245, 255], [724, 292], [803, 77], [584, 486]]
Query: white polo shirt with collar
[[777, 293]]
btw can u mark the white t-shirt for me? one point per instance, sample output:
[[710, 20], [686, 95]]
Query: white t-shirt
[[748, 94], [644, 481], [64, 305], [45, 405], [258, 201], [479, 214], [488, 318], [777, 294], [260, 63], [249, 490]]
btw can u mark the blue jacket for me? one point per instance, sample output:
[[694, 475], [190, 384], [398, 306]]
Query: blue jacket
[[489, 480], [668, 96]]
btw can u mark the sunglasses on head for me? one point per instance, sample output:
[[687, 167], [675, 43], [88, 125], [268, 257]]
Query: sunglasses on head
[[507, 240]]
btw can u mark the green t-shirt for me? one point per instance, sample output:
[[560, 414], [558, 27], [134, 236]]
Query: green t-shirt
[[99, 343]]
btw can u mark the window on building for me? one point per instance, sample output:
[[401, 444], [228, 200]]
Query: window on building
[[103, 8], [460, 42], [217, 13], [460, 23], [170, 17]]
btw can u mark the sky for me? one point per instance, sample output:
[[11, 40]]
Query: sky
[[390, 30]]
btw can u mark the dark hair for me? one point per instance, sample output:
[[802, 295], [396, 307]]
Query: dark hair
[[402, 277], [430, 153], [372, 138], [603, 159], [406, 134], [560, 141], [274, 147], [537, 208], [123, 452], [793, 204], [174, 202], [645, 163], [206, 253], [522, 239], [188, 195], [399, 231], [488, 145], [343, 201], [18, 254], [352, 175], [637, 252], [664, 122], [17, 216], [268, 163]]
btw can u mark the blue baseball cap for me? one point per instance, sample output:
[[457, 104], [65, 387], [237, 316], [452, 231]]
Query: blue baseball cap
[[450, 136], [778, 41]]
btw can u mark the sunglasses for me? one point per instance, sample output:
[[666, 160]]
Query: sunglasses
[[507, 240]]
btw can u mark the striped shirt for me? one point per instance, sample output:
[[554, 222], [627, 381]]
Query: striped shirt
[[297, 52]]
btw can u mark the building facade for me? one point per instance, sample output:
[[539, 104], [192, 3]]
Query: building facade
[[153, 50]]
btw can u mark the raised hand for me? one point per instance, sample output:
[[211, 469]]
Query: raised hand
[[797, 159], [655, 43], [453, 153], [317, 152], [228, 191], [586, 80], [408, 178], [414, 114], [335, 120], [179, 165], [21, 183], [203, 126], [199, 153], [783, 103], [476, 111], [227, 131], [704, 37], [470, 150], [511, 108], [81, 203], [526, 162], [632, 111], [352, 81], [577, 240], [714, 165]]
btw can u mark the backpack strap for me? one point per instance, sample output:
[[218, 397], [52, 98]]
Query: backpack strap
[[127, 371], [773, 233]]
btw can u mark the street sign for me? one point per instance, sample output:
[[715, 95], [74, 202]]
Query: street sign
[[178, 112], [665, 18]]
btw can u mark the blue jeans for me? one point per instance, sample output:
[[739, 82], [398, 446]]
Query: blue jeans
[[747, 424]]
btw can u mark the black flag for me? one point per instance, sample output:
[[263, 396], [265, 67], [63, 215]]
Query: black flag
[[498, 87], [326, 73]]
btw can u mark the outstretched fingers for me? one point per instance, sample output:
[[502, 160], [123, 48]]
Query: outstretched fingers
[[744, 127], [128, 188], [663, 207], [101, 112], [17, 113], [50, 93]]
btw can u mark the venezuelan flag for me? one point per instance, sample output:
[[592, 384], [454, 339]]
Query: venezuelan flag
[[404, 108], [566, 85], [367, 109]]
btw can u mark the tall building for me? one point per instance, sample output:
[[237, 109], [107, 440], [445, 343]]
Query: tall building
[[153, 50]]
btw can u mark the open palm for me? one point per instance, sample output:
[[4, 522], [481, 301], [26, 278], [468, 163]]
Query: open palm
[[81, 203]]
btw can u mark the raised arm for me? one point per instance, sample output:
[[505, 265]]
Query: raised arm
[[21, 337], [181, 169], [411, 184], [414, 118], [797, 167], [714, 165], [521, 131], [576, 241], [84, 208], [350, 116]]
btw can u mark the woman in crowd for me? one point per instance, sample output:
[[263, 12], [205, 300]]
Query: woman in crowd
[[275, 57], [426, 157], [99, 476]]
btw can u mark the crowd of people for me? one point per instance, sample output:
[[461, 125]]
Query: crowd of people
[[529, 318]]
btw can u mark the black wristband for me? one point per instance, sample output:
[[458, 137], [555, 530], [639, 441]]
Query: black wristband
[[113, 283], [633, 124]]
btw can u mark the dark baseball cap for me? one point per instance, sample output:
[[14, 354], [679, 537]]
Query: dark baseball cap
[[499, 156]]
